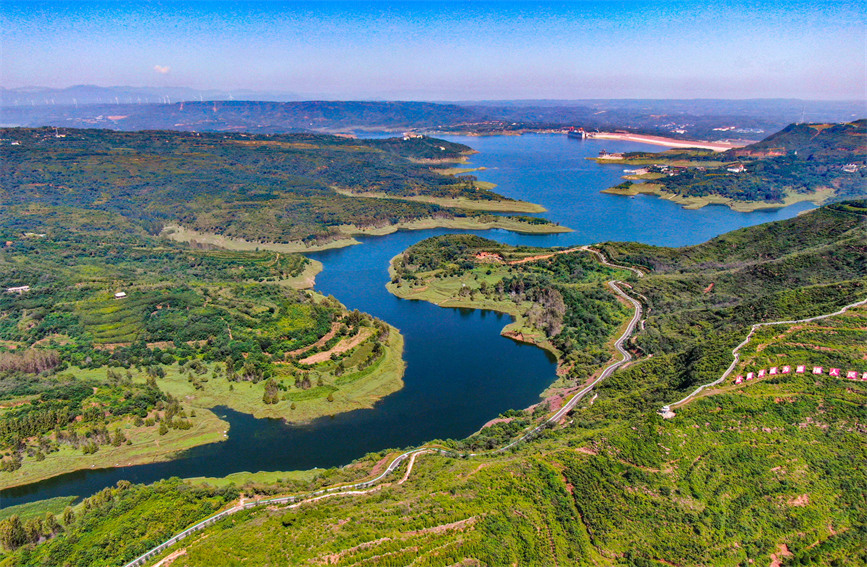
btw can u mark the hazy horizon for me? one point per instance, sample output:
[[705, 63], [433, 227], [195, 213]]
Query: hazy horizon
[[445, 51], [302, 97]]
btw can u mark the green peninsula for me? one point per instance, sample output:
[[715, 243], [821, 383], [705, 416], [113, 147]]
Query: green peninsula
[[115, 344]]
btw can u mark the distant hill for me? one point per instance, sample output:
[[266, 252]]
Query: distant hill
[[815, 162], [245, 116], [812, 141]]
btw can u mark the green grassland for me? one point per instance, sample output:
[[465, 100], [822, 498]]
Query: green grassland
[[354, 389], [768, 471], [267, 478], [38, 509], [803, 162], [146, 445]]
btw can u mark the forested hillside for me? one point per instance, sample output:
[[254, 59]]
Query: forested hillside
[[285, 188], [113, 337]]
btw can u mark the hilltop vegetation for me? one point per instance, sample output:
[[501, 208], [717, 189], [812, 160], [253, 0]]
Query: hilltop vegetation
[[112, 337], [261, 188], [769, 471], [803, 161]]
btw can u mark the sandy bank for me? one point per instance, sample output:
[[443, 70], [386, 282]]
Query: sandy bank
[[500, 206], [182, 234], [670, 142]]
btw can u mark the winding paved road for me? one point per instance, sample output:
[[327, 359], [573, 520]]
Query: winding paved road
[[609, 370], [364, 487]]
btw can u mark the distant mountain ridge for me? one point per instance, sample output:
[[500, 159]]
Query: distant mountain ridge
[[122, 108], [247, 116]]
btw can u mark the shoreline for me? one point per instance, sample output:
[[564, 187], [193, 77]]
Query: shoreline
[[695, 203], [459, 223], [363, 393], [503, 206], [207, 429], [307, 278], [514, 330], [182, 234]]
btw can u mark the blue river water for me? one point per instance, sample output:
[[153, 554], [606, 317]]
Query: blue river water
[[460, 371]]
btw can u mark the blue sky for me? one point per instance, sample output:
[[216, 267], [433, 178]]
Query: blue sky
[[453, 50]]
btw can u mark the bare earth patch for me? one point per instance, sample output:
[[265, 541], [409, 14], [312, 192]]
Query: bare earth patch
[[542, 257], [380, 465], [336, 557], [169, 559], [497, 420], [460, 524], [341, 347], [325, 338], [478, 468], [800, 501], [776, 560]]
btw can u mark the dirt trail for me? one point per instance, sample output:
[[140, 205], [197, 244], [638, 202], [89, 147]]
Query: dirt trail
[[341, 347], [409, 467], [459, 525], [325, 338], [169, 559], [542, 257]]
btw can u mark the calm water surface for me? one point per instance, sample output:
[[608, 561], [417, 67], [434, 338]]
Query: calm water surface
[[460, 372]]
